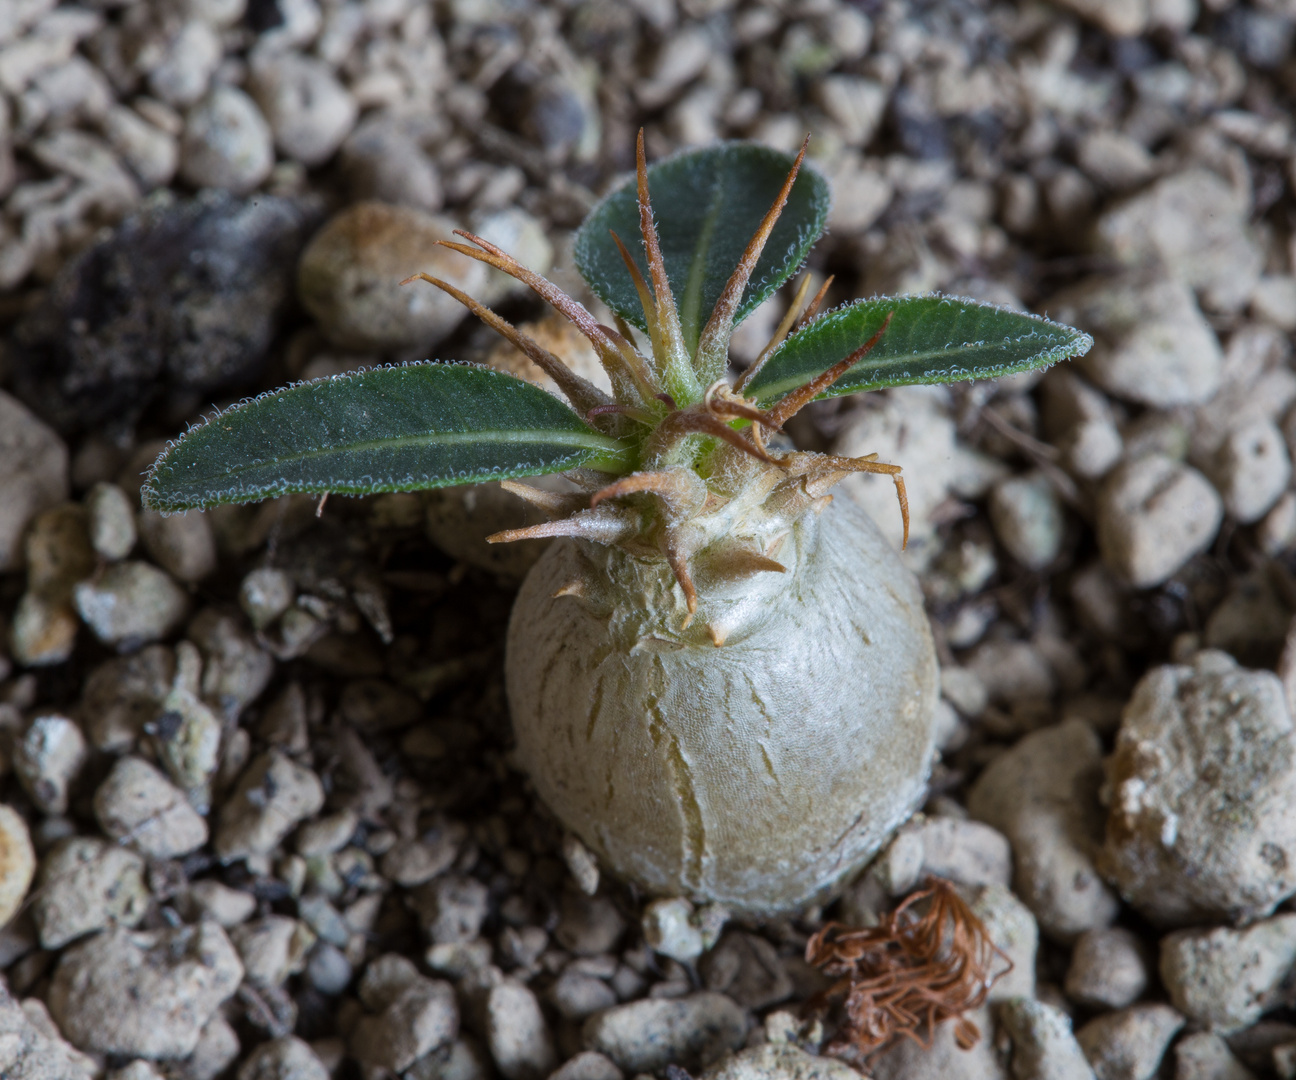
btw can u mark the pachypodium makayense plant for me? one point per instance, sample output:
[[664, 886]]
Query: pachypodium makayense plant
[[723, 684]]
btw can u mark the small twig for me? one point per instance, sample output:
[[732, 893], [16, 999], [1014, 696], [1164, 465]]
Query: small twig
[[905, 976]]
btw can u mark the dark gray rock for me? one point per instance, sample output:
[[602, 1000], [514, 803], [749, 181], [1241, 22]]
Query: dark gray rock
[[182, 298]]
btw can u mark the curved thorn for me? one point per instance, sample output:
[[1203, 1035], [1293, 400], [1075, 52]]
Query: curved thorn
[[641, 287], [667, 316], [720, 325], [679, 564], [552, 503], [813, 306], [603, 528], [580, 392], [677, 488], [787, 407], [780, 333]]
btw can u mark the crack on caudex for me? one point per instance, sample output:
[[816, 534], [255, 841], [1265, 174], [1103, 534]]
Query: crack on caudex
[[702, 461]]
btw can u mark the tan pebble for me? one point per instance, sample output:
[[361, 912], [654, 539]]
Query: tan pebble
[[17, 863]]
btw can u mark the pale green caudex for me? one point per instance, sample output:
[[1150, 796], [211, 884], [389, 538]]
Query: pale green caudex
[[676, 441]]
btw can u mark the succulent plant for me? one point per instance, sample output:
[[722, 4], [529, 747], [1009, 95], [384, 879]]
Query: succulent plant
[[723, 685]]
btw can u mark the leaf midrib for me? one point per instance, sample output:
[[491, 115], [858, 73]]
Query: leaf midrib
[[792, 382], [581, 440]]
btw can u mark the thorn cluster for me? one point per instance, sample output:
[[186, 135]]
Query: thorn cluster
[[679, 428], [929, 960]]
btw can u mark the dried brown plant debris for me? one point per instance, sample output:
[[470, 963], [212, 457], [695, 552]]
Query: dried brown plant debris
[[929, 960]]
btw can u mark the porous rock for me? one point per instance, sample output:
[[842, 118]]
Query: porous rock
[[1012, 671], [912, 425], [649, 1034], [182, 544], [272, 948], [218, 902], [1194, 224], [111, 521], [386, 977], [1205, 1056], [272, 796], [1251, 469], [58, 556], [131, 603], [1027, 518], [137, 805], [1013, 929], [1154, 514], [144, 995], [30, 1051], [286, 1058], [1251, 622], [1043, 1044], [588, 925], [17, 862], [123, 694], [577, 995], [265, 594], [349, 275], [904, 1059], [387, 158], [139, 1069], [86, 884], [1120, 18], [462, 1059], [1129, 1044], [1151, 343], [965, 852], [1107, 969], [235, 669], [226, 143], [33, 474], [1043, 795], [587, 1065], [1227, 979], [308, 110], [48, 759], [187, 733], [1202, 783], [778, 1061], [668, 929], [417, 1018], [218, 1048], [452, 908], [184, 297], [747, 968], [516, 1033]]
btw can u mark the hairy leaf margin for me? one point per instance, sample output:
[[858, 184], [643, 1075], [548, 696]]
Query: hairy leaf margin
[[393, 428], [931, 339]]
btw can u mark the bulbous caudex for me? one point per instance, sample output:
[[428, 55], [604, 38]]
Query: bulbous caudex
[[759, 774], [720, 679]]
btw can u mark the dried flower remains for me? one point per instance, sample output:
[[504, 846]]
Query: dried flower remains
[[929, 960]]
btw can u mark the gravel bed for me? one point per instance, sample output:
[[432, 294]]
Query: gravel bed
[[259, 816]]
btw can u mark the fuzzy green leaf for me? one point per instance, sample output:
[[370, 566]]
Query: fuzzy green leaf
[[389, 429], [931, 339], [707, 204]]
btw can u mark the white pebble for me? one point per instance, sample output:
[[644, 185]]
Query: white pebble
[[668, 929], [1154, 514], [227, 143], [1027, 518], [308, 110], [1251, 469], [191, 58]]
